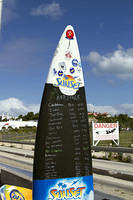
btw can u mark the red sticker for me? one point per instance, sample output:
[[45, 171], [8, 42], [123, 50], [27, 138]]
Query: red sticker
[[68, 55], [69, 34]]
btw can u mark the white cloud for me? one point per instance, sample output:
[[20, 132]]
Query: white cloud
[[118, 63], [126, 108], [9, 10], [15, 107], [53, 10], [101, 109], [33, 108], [113, 110], [21, 53], [90, 196]]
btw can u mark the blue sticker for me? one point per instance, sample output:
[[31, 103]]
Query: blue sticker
[[75, 62], [54, 70], [80, 188], [72, 70], [60, 73]]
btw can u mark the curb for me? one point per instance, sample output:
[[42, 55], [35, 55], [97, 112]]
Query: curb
[[113, 173]]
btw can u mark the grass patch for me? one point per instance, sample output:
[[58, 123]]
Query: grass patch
[[126, 140]]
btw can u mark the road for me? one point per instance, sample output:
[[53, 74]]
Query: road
[[106, 187], [113, 168], [113, 165], [98, 187], [110, 168]]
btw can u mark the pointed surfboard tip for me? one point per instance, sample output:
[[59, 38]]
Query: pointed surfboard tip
[[69, 27]]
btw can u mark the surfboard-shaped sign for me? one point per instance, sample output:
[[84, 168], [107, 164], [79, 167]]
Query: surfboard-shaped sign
[[62, 162], [1, 3]]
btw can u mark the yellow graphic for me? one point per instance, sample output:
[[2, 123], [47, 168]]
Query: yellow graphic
[[68, 81], [9, 192]]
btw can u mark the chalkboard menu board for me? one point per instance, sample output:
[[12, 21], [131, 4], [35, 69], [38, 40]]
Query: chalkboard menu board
[[63, 141]]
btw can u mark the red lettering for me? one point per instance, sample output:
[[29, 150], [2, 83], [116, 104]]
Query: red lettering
[[105, 125], [54, 193], [80, 191], [95, 125]]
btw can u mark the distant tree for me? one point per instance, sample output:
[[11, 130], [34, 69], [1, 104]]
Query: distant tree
[[12, 118], [20, 117], [0, 118], [29, 116], [123, 120], [36, 116], [5, 120]]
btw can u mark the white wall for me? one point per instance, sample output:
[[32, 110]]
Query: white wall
[[17, 124]]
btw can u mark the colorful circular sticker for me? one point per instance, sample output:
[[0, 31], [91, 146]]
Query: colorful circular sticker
[[60, 73], [69, 34], [75, 62], [68, 55], [62, 66], [15, 194], [72, 70]]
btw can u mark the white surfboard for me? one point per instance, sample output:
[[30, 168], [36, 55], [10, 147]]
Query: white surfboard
[[66, 64], [62, 161], [1, 4]]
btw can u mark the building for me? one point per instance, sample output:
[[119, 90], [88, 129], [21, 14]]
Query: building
[[17, 124]]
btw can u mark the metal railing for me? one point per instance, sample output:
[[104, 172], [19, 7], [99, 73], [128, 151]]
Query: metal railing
[[29, 138], [112, 149]]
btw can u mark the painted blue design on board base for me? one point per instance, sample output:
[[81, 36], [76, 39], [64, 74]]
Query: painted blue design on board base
[[76, 188]]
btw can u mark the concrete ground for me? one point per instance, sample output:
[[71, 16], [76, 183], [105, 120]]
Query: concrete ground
[[117, 189], [113, 186]]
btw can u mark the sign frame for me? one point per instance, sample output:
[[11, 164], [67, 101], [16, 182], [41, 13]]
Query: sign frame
[[106, 134]]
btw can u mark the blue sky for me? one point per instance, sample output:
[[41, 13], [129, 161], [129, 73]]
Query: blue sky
[[30, 33]]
